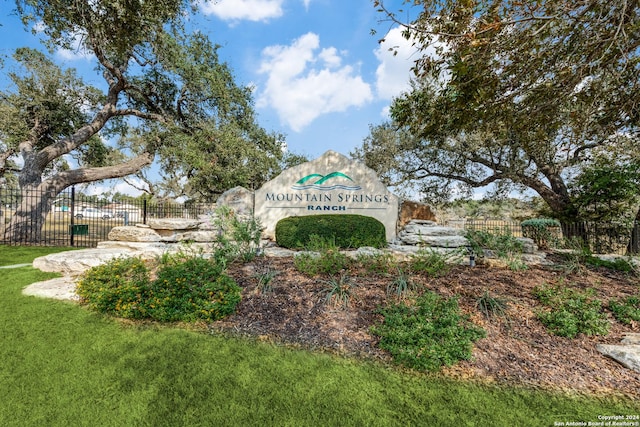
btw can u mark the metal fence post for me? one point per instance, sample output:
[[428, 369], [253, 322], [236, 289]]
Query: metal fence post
[[72, 213]]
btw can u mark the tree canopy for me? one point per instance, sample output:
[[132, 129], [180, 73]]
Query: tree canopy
[[164, 95], [522, 94]]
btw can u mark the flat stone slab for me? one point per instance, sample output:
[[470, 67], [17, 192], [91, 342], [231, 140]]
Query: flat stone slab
[[173, 224], [61, 288], [77, 262], [132, 233], [627, 353]]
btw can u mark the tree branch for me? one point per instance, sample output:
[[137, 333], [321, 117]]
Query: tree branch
[[65, 179]]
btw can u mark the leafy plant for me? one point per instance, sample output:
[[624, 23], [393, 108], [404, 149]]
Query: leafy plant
[[575, 259], [617, 264], [433, 263], [516, 264], [381, 264], [187, 288], [329, 260], [339, 291], [491, 306], [543, 231], [116, 287], [193, 289], [238, 238], [570, 312], [428, 334], [626, 310], [502, 242]]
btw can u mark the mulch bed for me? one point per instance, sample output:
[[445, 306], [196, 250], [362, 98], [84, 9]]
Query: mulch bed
[[517, 350]]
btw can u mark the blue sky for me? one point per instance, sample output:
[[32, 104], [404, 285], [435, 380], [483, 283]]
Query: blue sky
[[319, 75]]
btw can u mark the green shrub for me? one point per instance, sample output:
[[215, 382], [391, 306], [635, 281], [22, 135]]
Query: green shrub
[[501, 242], [325, 258], [187, 288], [348, 231], [626, 310], [544, 232], [116, 287], [428, 334], [238, 238], [380, 264], [570, 312], [618, 264], [434, 263], [192, 289]]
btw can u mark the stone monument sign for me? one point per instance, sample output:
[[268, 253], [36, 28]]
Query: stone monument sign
[[331, 184]]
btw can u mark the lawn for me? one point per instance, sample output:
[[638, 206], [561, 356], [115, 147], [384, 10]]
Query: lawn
[[64, 365]]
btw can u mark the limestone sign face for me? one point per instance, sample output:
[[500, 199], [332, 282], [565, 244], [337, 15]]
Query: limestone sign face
[[331, 184]]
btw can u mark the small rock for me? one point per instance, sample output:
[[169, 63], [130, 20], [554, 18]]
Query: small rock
[[62, 288]]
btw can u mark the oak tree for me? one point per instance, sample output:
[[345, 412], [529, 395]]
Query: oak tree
[[162, 94], [522, 94]]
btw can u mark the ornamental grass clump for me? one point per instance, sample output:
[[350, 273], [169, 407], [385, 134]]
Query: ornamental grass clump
[[434, 263], [186, 288]]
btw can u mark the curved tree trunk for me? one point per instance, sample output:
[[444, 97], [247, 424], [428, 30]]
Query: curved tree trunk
[[36, 199], [30, 215]]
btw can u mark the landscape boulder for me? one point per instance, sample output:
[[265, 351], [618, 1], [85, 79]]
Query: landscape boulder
[[627, 353], [77, 262], [429, 233], [414, 211], [238, 199], [130, 233]]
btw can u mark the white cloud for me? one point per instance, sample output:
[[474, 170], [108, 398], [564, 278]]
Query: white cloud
[[78, 52], [249, 10], [303, 84], [394, 72]]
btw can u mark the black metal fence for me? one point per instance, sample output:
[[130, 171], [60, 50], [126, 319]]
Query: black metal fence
[[79, 220], [598, 237], [75, 219]]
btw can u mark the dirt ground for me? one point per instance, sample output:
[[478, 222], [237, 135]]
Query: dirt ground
[[517, 349]]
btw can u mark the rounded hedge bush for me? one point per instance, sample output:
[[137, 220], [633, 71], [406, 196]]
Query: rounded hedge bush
[[347, 231]]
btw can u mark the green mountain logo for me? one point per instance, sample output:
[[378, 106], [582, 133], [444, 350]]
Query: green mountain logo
[[323, 178], [317, 181]]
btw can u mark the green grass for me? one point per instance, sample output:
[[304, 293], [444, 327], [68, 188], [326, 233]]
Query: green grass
[[63, 365], [10, 255]]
